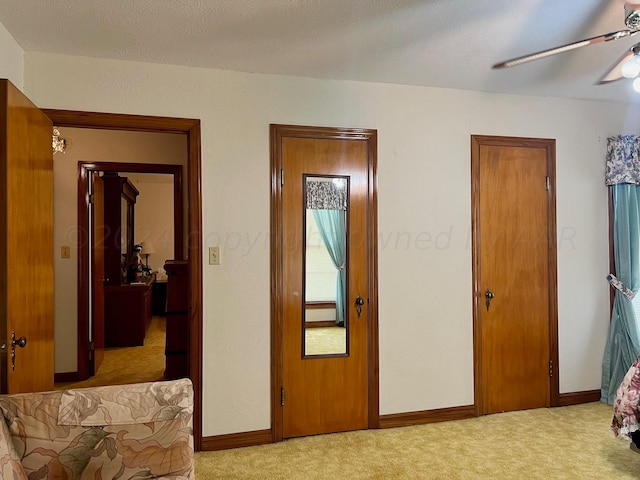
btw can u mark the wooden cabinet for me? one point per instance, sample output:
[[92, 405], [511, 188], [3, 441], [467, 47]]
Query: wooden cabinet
[[119, 208], [177, 338], [127, 311], [127, 315], [159, 304]]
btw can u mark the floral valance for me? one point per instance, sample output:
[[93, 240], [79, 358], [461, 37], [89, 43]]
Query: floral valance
[[623, 160], [327, 195]]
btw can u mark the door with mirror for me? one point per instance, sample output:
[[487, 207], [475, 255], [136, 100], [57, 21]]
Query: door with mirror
[[326, 291]]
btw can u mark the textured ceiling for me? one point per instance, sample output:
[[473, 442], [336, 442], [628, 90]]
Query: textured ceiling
[[441, 43]]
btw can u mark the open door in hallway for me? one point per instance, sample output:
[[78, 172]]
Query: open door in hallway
[[326, 270], [190, 244], [26, 245]]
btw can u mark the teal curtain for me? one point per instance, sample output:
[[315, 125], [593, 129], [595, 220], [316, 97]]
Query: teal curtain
[[331, 225], [623, 343]]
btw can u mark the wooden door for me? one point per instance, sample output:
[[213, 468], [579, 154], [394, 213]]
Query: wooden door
[[26, 244], [97, 273], [515, 272], [326, 392]]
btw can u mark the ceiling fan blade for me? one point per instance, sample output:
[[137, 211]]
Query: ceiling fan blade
[[565, 48], [615, 72]]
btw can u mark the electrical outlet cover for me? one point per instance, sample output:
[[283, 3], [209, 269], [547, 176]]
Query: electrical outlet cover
[[214, 255]]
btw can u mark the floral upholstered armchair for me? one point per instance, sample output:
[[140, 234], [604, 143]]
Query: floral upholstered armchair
[[126, 431]]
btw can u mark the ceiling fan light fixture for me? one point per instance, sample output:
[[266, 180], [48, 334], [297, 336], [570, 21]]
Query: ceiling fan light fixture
[[631, 68], [636, 85]]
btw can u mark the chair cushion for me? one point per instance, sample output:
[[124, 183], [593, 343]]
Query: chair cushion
[[141, 431]]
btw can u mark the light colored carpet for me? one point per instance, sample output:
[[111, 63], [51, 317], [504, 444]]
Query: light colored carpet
[[131, 364], [560, 443]]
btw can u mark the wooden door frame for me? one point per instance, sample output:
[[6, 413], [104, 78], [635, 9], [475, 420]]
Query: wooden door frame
[[191, 128], [549, 145], [96, 279], [277, 133], [85, 170]]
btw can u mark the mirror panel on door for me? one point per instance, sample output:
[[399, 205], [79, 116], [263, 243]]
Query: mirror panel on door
[[325, 319]]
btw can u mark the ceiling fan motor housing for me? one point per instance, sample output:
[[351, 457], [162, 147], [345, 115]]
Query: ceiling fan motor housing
[[632, 16]]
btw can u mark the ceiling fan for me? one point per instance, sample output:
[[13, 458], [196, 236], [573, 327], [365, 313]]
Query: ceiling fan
[[627, 66]]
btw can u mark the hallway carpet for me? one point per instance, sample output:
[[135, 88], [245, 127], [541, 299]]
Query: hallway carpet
[[131, 364]]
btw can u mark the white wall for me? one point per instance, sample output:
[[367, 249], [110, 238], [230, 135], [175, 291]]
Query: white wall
[[91, 146], [426, 356], [11, 58], [154, 216]]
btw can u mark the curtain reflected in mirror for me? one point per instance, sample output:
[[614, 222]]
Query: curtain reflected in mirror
[[325, 321]]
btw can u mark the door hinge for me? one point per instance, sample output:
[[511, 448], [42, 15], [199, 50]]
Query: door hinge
[[92, 346], [548, 184], [91, 198], [282, 177], [282, 396], [551, 368]]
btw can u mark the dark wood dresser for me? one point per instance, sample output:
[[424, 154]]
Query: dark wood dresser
[[127, 313], [177, 342], [159, 303]]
